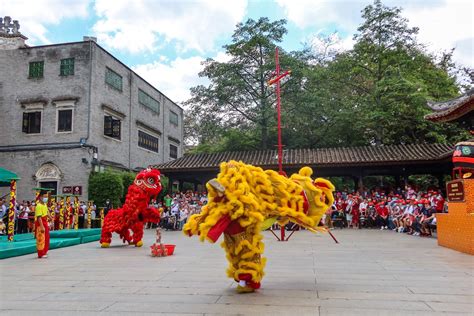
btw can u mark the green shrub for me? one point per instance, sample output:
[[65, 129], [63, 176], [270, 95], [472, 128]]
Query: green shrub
[[164, 187], [103, 186], [127, 180]]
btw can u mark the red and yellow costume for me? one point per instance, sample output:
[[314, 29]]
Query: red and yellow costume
[[131, 217], [245, 199], [42, 238]]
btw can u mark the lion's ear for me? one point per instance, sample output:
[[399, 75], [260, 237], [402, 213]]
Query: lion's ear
[[306, 172]]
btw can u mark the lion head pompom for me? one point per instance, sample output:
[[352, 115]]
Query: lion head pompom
[[306, 172]]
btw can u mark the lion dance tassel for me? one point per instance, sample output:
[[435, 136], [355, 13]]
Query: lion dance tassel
[[11, 210], [135, 212], [61, 213], [76, 212], [89, 211], [67, 214], [241, 199]]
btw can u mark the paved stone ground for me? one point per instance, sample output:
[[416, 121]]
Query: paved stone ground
[[369, 273]]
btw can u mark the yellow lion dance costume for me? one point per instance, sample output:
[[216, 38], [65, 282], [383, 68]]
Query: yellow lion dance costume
[[243, 199]]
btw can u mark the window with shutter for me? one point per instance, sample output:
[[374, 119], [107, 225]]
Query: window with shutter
[[148, 141], [66, 67], [36, 69], [108, 125], [116, 129], [174, 118], [113, 79], [31, 123], [65, 120], [112, 127], [173, 151], [148, 101]]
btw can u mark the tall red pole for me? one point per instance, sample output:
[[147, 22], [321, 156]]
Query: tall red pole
[[276, 79], [280, 154]]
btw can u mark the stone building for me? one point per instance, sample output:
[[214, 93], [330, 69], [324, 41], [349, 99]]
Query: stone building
[[71, 108]]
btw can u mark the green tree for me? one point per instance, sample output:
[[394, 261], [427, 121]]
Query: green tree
[[388, 78], [127, 180], [238, 100], [103, 186]]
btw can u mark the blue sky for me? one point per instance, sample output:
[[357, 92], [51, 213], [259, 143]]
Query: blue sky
[[165, 41]]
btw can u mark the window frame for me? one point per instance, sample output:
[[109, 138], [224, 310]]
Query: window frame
[[177, 151], [30, 64], [114, 119], [177, 118], [62, 67], [151, 135], [107, 70], [141, 92], [41, 121], [58, 109]]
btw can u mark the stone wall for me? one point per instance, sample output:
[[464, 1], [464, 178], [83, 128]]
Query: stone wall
[[25, 164]]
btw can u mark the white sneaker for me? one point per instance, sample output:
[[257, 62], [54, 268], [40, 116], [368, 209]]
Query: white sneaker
[[381, 228], [386, 227]]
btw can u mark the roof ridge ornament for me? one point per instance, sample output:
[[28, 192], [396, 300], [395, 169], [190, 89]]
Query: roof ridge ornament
[[7, 26]]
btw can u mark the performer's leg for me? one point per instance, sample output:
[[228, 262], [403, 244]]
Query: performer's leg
[[246, 265], [137, 230], [46, 236], [106, 235], [125, 235]]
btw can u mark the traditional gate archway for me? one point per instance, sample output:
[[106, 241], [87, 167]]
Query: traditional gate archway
[[48, 176]]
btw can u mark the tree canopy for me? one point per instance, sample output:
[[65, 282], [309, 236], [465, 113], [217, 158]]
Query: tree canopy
[[372, 94]]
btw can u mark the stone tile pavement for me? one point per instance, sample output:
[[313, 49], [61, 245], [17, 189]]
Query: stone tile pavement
[[369, 273]]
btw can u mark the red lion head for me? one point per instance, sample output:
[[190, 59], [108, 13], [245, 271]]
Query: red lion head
[[149, 181]]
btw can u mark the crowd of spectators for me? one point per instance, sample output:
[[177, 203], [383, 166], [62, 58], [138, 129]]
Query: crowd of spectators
[[178, 207], [405, 211], [25, 214]]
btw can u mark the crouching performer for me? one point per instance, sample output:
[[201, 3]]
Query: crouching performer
[[243, 200], [128, 221]]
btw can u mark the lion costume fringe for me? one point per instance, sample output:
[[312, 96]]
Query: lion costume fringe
[[242, 199]]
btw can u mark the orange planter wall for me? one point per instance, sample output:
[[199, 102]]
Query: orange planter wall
[[456, 228]]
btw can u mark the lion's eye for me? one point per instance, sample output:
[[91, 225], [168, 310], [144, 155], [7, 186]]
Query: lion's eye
[[151, 180]]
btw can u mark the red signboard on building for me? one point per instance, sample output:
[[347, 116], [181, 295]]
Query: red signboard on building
[[455, 191], [76, 190]]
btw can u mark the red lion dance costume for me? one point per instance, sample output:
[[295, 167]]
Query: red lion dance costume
[[135, 212], [244, 200]]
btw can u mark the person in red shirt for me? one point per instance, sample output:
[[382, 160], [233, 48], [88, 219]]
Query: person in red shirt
[[382, 211], [355, 213], [439, 204]]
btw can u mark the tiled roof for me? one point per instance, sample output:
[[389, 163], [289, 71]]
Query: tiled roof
[[344, 156], [451, 109]]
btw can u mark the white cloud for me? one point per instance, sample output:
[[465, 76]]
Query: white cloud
[[175, 78], [446, 26], [143, 25], [35, 16], [443, 24], [305, 13]]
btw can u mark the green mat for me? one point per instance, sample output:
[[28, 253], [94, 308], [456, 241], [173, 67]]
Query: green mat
[[72, 233], [19, 237], [92, 238], [20, 248], [24, 244], [63, 242]]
